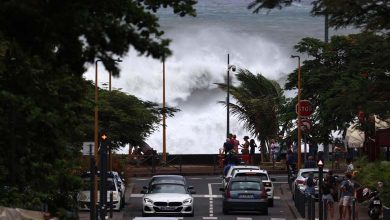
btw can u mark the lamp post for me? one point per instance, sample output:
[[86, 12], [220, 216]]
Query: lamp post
[[233, 68], [299, 107], [96, 140], [320, 165], [96, 143], [164, 154], [118, 60]]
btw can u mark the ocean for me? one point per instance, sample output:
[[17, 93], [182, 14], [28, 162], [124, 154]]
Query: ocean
[[261, 43]]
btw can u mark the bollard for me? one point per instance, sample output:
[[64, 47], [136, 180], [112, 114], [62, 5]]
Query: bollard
[[111, 203], [325, 209], [353, 208]]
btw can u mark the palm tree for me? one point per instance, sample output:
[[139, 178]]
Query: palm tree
[[258, 101]]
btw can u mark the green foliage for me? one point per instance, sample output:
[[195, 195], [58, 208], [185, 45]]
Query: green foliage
[[345, 76], [258, 104], [370, 15], [76, 32], [371, 173], [44, 49]]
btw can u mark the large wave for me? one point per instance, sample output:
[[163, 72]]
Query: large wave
[[200, 46]]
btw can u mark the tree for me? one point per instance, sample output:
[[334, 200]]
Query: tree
[[345, 76], [258, 104], [45, 47], [73, 32], [367, 14], [127, 119]]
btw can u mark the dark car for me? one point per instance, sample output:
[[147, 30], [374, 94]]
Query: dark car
[[245, 194]]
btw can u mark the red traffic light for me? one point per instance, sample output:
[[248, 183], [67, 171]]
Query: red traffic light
[[104, 136]]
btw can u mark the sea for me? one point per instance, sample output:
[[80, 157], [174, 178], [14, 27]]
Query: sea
[[262, 43]]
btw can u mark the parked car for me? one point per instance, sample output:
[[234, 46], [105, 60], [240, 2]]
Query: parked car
[[263, 175], [232, 169], [84, 199], [299, 182], [167, 198], [245, 194], [120, 183]]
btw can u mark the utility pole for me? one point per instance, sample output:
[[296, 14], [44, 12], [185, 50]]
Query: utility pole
[[164, 156]]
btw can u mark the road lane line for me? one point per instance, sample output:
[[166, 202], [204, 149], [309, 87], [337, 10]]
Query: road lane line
[[278, 219], [210, 218], [242, 218]]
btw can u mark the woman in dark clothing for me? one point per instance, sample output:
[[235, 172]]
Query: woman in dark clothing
[[252, 146]]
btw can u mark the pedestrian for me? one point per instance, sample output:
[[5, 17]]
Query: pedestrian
[[310, 184], [310, 163], [274, 150], [347, 190], [235, 143], [227, 146], [327, 196], [252, 146], [245, 150], [350, 166]]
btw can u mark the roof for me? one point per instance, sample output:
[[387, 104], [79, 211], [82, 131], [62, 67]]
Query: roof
[[245, 178]]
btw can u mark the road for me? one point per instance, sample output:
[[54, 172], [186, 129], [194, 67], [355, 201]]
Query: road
[[208, 200]]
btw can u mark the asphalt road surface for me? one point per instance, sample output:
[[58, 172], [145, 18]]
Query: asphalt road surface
[[208, 200]]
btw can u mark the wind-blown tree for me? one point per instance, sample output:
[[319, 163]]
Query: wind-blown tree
[[348, 75], [258, 101], [371, 15], [127, 119], [45, 47]]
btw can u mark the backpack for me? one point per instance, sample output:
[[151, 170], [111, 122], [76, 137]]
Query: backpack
[[310, 182]]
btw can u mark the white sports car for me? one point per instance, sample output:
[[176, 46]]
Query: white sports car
[[167, 198]]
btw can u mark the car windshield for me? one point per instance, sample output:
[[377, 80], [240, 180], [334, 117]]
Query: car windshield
[[110, 184], [245, 185], [262, 176], [168, 188], [315, 173]]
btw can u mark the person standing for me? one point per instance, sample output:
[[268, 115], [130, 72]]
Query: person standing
[[252, 146], [227, 146], [235, 143], [347, 189], [245, 150], [274, 150], [327, 196]]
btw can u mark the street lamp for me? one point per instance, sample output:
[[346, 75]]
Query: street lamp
[[299, 107], [233, 68], [320, 165], [118, 60]]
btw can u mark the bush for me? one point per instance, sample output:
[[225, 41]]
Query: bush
[[369, 174]]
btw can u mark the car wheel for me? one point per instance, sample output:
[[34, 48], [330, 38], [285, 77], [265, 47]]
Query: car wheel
[[271, 202]]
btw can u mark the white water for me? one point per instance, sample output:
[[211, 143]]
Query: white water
[[261, 43]]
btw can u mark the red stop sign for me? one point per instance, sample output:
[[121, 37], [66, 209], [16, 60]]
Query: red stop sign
[[305, 109]]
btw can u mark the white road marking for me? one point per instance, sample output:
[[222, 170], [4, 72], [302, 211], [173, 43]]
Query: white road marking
[[210, 218], [242, 218], [195, 178], [141, 179], [278, 219]]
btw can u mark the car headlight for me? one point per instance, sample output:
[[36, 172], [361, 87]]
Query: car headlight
[[187, 201], [148, 201]]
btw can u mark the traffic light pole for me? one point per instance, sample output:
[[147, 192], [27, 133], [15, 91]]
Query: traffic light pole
[[103, 176]]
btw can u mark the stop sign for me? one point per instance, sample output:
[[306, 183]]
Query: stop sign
[[305, 109]]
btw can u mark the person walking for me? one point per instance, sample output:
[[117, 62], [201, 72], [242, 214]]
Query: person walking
[[235, 143]]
